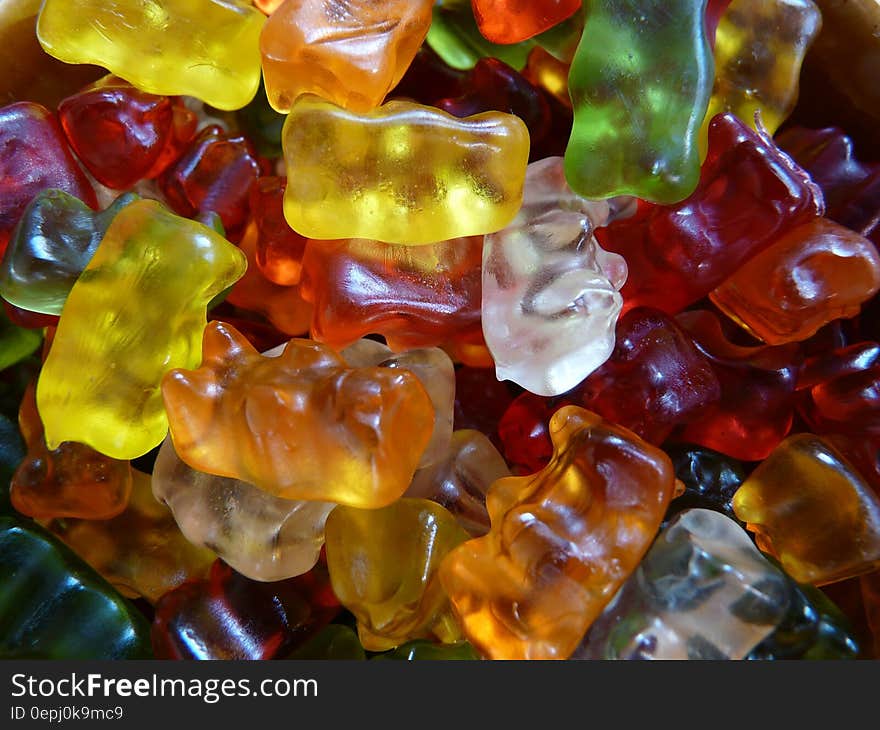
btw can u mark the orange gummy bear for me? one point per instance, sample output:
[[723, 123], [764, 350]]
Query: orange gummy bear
[[304, 425], [562, 541], [351, 53], [73, 480]]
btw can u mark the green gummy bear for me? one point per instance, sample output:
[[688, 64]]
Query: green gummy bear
[[333, 642], [54, 606], [423, 650], [640, 84], [16, 343]]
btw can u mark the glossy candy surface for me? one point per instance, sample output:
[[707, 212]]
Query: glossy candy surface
[[759, 48], [304, 425], [35, 156], [404, 173], [655, 379], [214, 175], [227, 616], [639, 83], [70, 481], [122, 134], [147, 254], [52, 605], [383, 565], [703, 591], [562, 541], [814, 274], [508, 21], [261, 536], [550, 292], [203, 48], [350, 53], [459, 482], [810, 508], [54, 241], [414, 296]]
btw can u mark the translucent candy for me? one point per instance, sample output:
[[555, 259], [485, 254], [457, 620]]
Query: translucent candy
[[703, 591], [550, 292]]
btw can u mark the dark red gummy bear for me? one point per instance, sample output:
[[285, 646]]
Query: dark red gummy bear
[[757, 402], [851, 187], [841, 391], [229, 616], [655, 379], [123, 134], [215, 174], [749, 193], [525, 434], [34, 156]]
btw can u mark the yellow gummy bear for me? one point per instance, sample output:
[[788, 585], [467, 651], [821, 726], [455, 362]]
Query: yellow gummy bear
[[759, 48], [383, 566], [209, 49], [137, 311], [404, 173]]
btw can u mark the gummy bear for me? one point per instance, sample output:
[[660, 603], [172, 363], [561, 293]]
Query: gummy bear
[[52, 244], [300, 426], [640, 84], [550, 292], [228, 616], [383, 565], [350, 52], [262, 537], [655, 379], [122, 134], [710, 479], [214, 174], [433, 369], [206, 48], [703, 591], [851, 187], [413, 296], [280, 249], [460, 480], [812, 510], [71, 481], [404, 173], [759, 48], [53, 606], [815, 273], [113, 330], [34, 157], [562, 541]]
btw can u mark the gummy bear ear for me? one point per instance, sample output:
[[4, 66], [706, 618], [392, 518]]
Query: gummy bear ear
[[223, 344], [190, 401]]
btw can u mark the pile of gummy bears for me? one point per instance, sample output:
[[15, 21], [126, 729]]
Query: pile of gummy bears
[[454, 329]]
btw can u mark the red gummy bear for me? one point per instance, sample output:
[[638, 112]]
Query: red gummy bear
[[123, 134], [34, 156]]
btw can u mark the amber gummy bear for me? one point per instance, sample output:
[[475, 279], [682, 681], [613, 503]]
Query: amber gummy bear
[[303, 425], [562, 541]]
